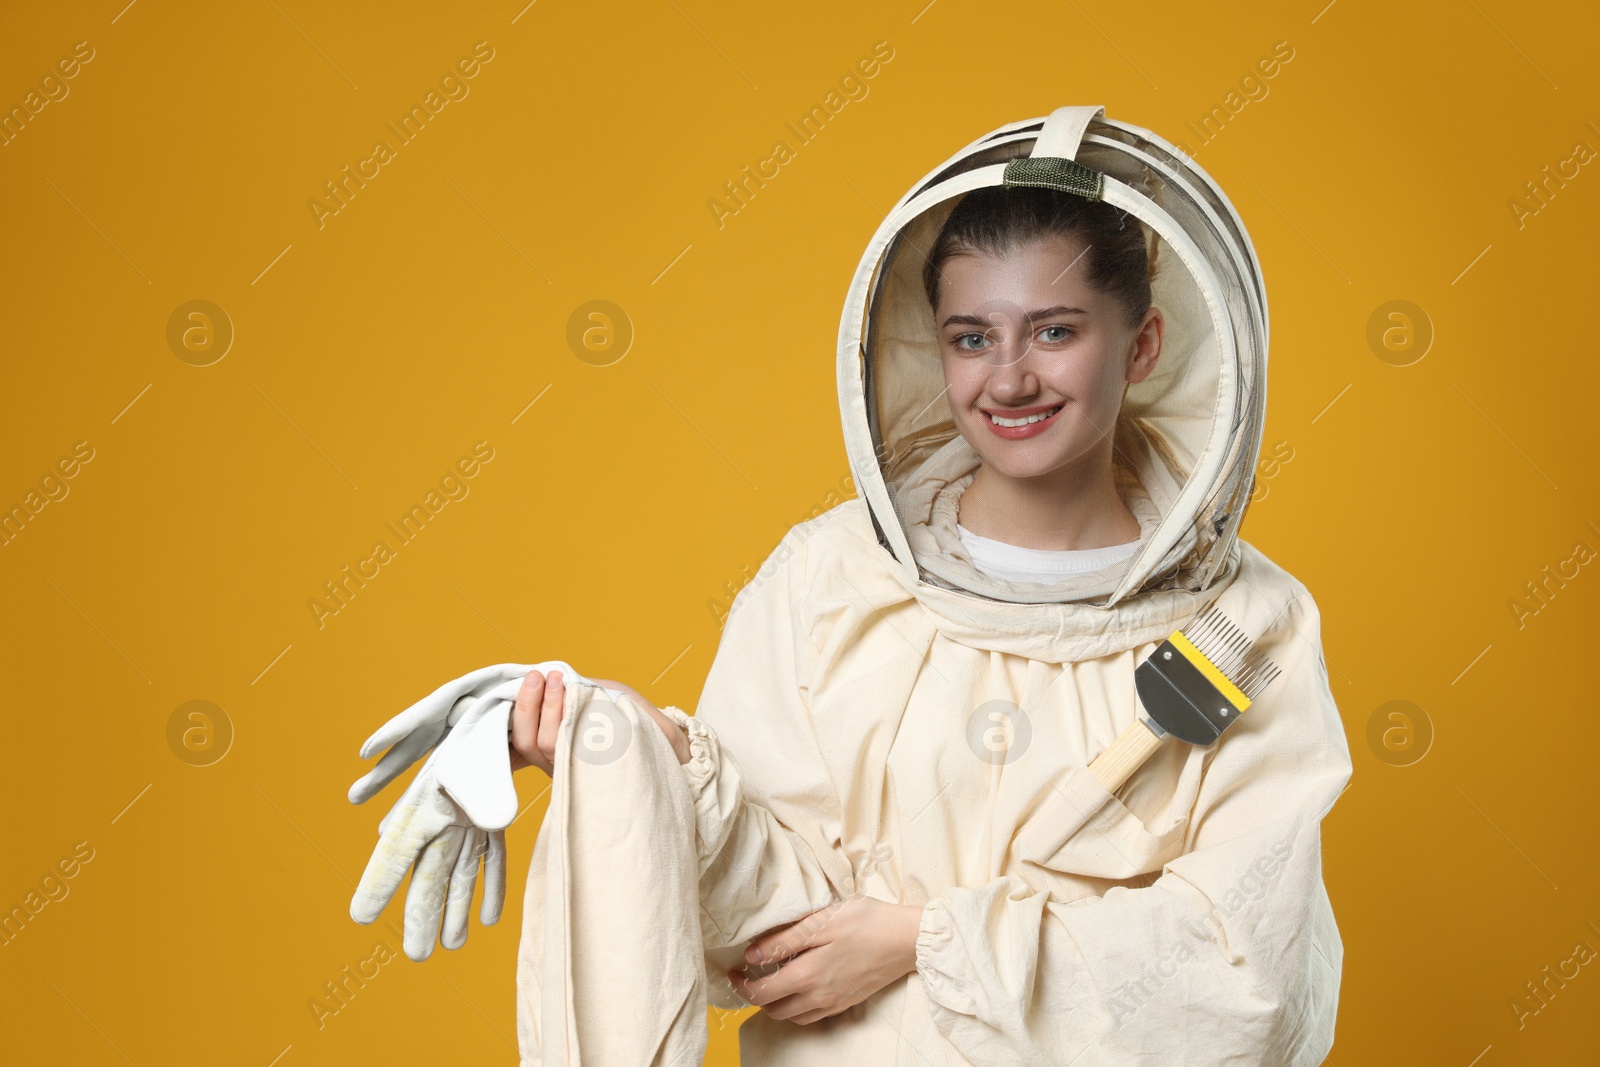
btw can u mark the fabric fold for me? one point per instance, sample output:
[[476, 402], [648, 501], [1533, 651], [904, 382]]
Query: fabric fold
[[608, 915]]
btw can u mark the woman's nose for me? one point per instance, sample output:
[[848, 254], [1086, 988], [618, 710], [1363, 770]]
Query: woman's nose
[[1011, 374]]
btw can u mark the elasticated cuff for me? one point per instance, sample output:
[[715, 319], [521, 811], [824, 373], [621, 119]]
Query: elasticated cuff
[[702, 772], [702, 746], [937, 964]]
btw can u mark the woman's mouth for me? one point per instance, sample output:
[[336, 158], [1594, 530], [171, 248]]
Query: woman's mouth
[[1025, 422]]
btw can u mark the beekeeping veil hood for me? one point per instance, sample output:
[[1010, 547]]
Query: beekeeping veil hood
[[1188, 437]]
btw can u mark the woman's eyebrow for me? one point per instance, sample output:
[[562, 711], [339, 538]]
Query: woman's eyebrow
[[1050, 312], [1033, 316], [964, 320]]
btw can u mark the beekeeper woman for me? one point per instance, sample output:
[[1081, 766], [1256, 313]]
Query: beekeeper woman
[[1052, 384]]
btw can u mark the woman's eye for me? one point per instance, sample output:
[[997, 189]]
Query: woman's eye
[[970, 342], [1054, 335]]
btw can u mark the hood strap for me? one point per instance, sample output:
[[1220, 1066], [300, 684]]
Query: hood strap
[[1063, 129]]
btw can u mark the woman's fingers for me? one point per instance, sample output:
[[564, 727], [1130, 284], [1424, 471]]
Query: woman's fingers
[[781, 991], [798, 992], [808, 932], [551, 711], [753, 989], [525, 714]]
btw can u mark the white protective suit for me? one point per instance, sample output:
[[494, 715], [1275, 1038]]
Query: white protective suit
[[843, 741]]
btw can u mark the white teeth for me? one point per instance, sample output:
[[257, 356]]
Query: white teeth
[[1040, 417]]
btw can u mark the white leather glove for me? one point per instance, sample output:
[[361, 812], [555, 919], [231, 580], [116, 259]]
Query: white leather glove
[[424, 724], [454, 812]]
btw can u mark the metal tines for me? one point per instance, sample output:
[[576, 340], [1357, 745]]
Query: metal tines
[[1231, 651]]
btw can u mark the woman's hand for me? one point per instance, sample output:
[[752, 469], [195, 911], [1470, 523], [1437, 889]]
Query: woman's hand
[[832, 959], [541, 704]]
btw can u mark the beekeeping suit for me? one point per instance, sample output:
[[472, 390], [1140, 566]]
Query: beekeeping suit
[[845, 741]]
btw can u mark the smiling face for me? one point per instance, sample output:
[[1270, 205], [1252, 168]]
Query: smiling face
[[1036, 360]]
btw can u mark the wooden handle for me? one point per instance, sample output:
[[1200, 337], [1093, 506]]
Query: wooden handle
[[1125, 755]]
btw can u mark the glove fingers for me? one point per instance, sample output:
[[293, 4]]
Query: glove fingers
[[494, 878], [430, 885], [483, 688], [406, 830], [401, 755], [463, 879], [435, 706]]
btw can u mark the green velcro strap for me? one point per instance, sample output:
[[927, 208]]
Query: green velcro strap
[[1055, 172]]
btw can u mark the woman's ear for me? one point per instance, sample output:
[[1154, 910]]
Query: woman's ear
[[1145, 349]]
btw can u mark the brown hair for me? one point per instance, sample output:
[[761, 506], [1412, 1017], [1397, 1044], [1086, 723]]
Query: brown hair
[[997, 219]]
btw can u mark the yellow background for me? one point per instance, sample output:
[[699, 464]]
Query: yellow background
[[619, 509]]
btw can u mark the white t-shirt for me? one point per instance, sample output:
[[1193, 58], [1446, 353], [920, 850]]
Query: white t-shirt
[[1014, 563]]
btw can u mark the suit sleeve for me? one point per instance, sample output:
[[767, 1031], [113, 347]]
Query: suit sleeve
[[1230, 956], [766, 810]]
